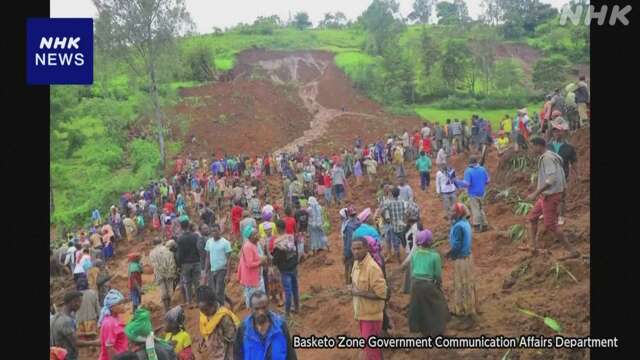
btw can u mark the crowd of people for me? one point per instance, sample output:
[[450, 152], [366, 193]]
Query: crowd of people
[[271, 235]]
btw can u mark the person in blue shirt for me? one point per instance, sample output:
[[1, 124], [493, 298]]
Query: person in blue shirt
[[263, 334], [476, 179], [464, 294], [350, 227]]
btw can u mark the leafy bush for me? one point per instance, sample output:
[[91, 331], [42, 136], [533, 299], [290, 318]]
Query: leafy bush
[[200, 61]]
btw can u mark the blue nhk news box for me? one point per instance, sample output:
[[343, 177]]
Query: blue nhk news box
[[59, 51]]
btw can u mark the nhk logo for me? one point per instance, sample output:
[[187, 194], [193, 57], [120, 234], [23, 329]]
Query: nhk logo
[[54, 59], [59, 51]]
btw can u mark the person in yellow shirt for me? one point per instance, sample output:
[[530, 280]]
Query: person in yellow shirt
[[369, 292], [502, 143], [398, 159], [506, 125], [176, 334]]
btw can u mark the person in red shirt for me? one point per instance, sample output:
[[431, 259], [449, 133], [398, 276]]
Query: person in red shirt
[[426, 145], [169, 207], [328, 187], [289, 222], [417, 141], [236, 216], [267, 165], [365, 152]]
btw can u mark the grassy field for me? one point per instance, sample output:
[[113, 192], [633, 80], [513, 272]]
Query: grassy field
[[226, 46], [493, 115]]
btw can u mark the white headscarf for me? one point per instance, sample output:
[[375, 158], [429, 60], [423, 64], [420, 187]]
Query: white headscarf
[[315, 212]]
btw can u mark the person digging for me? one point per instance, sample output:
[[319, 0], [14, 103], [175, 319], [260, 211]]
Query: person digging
[[551, 184]]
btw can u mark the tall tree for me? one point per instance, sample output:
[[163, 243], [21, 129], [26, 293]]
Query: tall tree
[[508, 75], [340, 19], [452, 13], [327, 21], [398, 76], [301, 20], [520, 17], [430, 53], [421, 11], [550, 73], [330, 20], [140, 31], [491, 11], [484, 58], [455, 62], [382, 22]]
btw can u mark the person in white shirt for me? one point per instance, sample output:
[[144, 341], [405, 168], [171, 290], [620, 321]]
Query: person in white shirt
[[70, 258], [446, 188], [441, 158], [425, 131], [406, 144]]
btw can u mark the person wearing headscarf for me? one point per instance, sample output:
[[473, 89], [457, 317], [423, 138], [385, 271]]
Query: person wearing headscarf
[[218, 326], [465, 300], [142, 340], [176, 334], [267, 218], [366, 227], [249, 266], [428, 311], [318, 238], [113, 340]]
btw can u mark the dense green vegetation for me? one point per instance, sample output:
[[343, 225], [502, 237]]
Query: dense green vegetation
[[443, 70]]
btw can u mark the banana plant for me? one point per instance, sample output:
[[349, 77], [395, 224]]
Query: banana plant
[[522, 208], [464, 198], [551, 323], [516, 231]]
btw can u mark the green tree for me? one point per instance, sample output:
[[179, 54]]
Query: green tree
[[141, 31], [484, 59], [334, 21], [381, 21], [452, 13], [398, 78], [550, 73], [520, 17], [430, 53], [301, 20], [201, 63], [455, 62], [491, 11], [340, 19], [327, 21], [508, 75], [421, 12]]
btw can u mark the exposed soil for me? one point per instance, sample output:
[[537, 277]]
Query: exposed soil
[[506, 277]]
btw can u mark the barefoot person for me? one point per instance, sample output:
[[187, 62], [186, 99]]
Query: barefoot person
[[551, 185]]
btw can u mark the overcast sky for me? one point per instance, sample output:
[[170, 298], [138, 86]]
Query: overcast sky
[[222, 14]]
